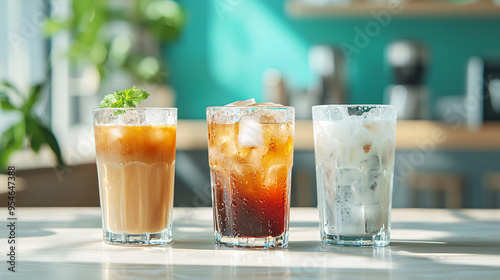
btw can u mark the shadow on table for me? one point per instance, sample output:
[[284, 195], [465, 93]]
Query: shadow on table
[[34, 232], [191, 244], [479, 237], [305, 224], [80, 221], [474, 237], [26, 229], [435, 250]]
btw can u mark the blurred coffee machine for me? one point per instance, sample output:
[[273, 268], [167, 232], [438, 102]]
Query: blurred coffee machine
[[328, 86], [408, 61], [482, 91], [327, 63]]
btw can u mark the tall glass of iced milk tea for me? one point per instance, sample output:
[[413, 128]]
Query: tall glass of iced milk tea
[[251, 157], [135, 155], [354, 151]]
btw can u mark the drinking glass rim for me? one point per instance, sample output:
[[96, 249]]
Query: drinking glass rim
[[135, 108], [355, 105], [249, 107]]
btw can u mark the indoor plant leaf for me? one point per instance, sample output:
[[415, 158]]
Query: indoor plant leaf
[[9, 86], [34, 133], [51, 140], [29, 127], [10, 141], [5, 103], [33, 97]]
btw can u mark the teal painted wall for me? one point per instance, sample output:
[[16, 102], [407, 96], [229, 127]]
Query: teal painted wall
[[228, 44]]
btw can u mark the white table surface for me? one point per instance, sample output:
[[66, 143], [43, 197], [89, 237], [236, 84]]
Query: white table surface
[[66, 243]]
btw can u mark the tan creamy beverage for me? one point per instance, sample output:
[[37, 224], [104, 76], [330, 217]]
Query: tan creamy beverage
[[136, 178]]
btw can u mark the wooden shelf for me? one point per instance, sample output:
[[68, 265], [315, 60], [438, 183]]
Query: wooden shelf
[[423, 8], [410, 135]]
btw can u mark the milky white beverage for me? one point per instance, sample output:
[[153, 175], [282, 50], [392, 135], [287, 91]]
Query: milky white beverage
[[354, 150]]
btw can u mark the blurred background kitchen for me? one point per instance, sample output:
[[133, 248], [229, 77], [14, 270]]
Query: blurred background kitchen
[[437, 60]]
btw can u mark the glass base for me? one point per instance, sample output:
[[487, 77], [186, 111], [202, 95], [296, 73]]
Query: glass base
[[278, 242], [380, 239], [145, 239]]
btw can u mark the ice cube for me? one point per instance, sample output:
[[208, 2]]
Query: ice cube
[[359, 143], [154, 117], [351, 215], [220, 117], [274, 174], [371, 126], [373, 164], [380, 129], [268, 116], [326, 132], [129, 118], [266, 104], [376, 218], [247, 102], [348, 177], [115, 133], [380, 114], [250, 134], [387, 153]]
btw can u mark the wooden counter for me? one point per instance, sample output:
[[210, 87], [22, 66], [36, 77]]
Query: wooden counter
[[66, 243]]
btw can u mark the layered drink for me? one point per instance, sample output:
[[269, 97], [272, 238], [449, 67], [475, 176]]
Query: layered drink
[[251, 157], [135, 154]]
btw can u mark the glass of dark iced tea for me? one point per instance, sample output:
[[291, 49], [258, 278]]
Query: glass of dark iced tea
[[251, 157]]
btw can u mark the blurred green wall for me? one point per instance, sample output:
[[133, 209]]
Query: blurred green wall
[[228, 44]]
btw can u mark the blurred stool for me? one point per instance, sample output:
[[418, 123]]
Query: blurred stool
[[491, 180], [302, 194], [439, 184]]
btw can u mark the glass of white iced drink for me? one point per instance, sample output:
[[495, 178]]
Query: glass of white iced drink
[[354, 151]]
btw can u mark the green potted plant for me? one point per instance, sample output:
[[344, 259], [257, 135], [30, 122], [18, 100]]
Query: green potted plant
[[124, 37], [29, 131], [146, 24]]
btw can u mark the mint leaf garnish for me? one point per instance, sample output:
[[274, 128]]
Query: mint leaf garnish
[[128, 98]]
